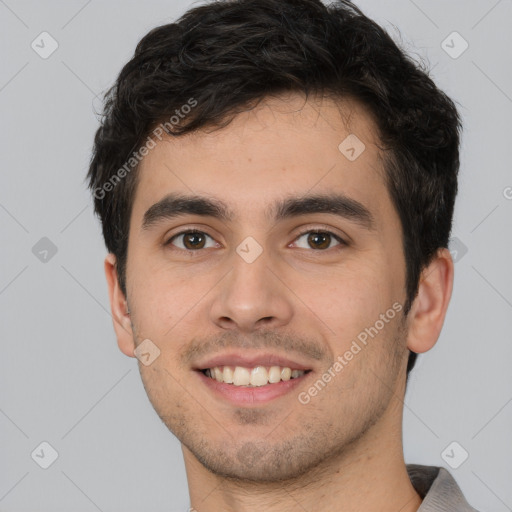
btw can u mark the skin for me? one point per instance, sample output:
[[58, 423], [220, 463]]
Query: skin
[[343, 450]]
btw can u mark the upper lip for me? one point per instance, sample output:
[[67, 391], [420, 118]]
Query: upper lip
[[250, 361]]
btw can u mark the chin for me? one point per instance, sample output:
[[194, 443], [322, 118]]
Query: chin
[[258, 461]]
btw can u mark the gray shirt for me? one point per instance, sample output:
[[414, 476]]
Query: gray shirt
[[438, 489]]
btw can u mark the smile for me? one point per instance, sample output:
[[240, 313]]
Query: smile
[[252, 377]]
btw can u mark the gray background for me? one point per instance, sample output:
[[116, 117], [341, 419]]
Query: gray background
[[62, 377]]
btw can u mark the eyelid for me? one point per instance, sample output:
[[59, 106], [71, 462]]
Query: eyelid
[[344, 239], [191, 228]]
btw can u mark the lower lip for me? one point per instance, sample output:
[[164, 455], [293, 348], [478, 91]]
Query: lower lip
[[242, 395]]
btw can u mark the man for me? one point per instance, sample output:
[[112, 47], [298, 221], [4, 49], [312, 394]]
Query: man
[[276, 183]]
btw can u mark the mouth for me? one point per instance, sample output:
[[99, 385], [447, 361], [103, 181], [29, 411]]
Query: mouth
[[251, 380], [253, 376]]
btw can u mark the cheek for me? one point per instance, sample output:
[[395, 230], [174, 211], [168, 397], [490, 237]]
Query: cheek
[[164, 297], [363, 313], [163, 389], [350, 300]]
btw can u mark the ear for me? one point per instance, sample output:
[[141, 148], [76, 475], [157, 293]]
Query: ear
[[119, 308], [428, 310]]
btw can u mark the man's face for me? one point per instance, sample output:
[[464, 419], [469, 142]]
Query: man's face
[[270, 285]]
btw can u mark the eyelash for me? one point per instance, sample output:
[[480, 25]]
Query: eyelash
[[305, 232]]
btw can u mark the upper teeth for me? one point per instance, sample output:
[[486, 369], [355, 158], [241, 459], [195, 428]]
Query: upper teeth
[[258, 376]]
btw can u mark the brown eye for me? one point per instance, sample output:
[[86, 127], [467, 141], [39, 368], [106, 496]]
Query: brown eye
[[191, 240], [194, 240], [318, 240]]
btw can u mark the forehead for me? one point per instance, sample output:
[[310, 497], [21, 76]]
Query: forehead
[[285, 147]]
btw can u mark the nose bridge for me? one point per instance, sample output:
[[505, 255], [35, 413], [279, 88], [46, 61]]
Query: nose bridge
[[251, 296]]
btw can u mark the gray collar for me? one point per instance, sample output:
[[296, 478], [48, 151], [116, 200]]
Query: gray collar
[[438, 489]]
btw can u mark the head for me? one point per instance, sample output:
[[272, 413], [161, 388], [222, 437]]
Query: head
[[238, 118]]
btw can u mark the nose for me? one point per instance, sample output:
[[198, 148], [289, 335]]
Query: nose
[[252, 296]]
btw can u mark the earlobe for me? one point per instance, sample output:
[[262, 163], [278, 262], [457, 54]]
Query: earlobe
[[429, 308], [119, 308]]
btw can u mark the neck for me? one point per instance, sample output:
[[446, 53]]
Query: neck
[[369, 475]]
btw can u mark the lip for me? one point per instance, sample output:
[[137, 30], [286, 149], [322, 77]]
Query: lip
[[242, 396], [251, 361]]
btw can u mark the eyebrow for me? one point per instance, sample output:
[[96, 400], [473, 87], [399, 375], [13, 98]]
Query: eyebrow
[[176, 205]]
